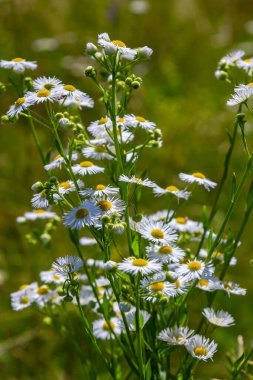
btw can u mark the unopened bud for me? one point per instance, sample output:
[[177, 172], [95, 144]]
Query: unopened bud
[[91, 49], [110, 266], [90, 72], [37, 187]]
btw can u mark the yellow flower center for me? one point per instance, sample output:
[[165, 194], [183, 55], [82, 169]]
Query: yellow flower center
[[18, 59], [65, 185], [140, 119], [178, 284], [100, 187], [183, 260], [119, 43], [100, 149], [178, 337], [157, 233], [121, 120], [140, 263], [227, 286], [43, 194], [200, 351], [248, 60], [103, 120], [203, 282], [69, 87], [24, 300], [181, 220], [250, 84], [43, 93], [171, 188], [23, 286], [19, 101], [86, 164], [165, 250], [194, 265], [42, 290], [217, 254], [56, 277], [199, 175], [81, 213], [104, 205], [106, 326], [39, 212], [157, 287], [57, 157]]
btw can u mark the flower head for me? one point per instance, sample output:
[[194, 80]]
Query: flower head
[[218, 318], [176, 336], [201, 348], [67, 265], [134, 266], [199, 179], [18, 64], [85, 214]]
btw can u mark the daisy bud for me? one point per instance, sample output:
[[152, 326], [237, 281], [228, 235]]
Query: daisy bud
[[45, 238], [135, 85], [91, 49], [90, 72], [157, 133], [20, 219], [59, 115], [145, 52], [2, 88], [105, 219], [63, 122], [220, 74], [53, 180], [37, 187], [73, 291], [60, 291], [68, 298], [241, 117], [47, 321], [110, 266], [5, 119], [163, 300], [129, 81], [98, 55]]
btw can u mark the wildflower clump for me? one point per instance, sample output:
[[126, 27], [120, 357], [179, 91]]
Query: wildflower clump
[[150, 265]]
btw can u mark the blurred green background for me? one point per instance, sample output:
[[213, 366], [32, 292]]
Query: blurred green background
[[180, 94]]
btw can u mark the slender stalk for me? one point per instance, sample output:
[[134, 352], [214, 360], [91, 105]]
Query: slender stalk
[[139, 330]]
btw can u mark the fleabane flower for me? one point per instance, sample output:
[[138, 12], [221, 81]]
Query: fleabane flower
[[100, 190], [201, 348], [231, 58], [134, 266], [42, 96], [246, 65], [68, 186], [183, 224], [137, 181], [24, 297], [87, 241], [241, 94], [199, 179], [116, 46], [87, 167], [165, 253], [46, 83], [71, 93], [153, 290], [218, 318], [18, 65], [209, 285], [85, 214], [51, 276], [157, 232], [178, 336], [232, 288], [40, 200], [100, 126], [111, 206], [106, 330], [97, 152], [180, 194], [67, 265], [132, 121], [20, 105], [195, 269]]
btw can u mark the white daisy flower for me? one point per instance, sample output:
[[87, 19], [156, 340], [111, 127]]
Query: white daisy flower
[[18, 64], [111, 206], [218, 318], [100, 190], [183, 224], [138, 121], [177, 336], [102, 330], [135, 266], [209, 285], [113, 46], [39, 200], [72, 94], [68, 186], [67, 265], [97, 152], [51, 276], [86, 241], [20, 105], [83, 215], [137, 181], [242, 93], [42, 96], [57, 162], [246, 65], [199, 179], [201, 348], [232, 288], [156, 232], [84, 101], [165, 253], [195, 269], [24, 297], [153, 290], [180, 194], [231, 58], [131, 319], [87, 167], [39, 214], [46, 83], [99, 126]]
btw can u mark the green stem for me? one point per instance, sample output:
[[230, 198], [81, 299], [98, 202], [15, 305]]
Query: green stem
[[139, 330]]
